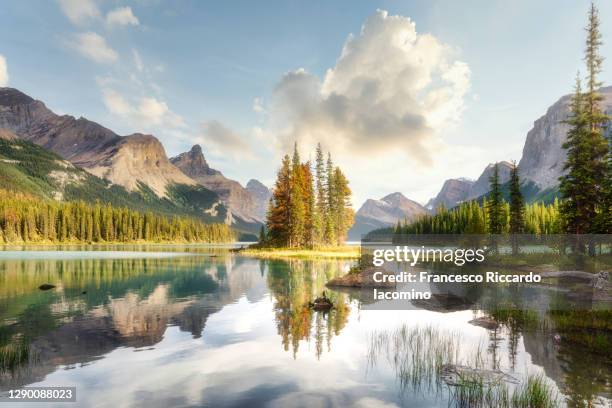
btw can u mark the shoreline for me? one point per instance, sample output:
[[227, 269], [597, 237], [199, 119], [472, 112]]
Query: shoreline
[[342, 252]]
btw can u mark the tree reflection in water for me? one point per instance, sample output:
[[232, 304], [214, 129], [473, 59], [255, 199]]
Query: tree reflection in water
[[295, 283]]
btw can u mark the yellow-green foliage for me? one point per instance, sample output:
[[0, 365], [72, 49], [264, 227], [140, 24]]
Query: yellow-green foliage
[[472, 218], [26, 219]]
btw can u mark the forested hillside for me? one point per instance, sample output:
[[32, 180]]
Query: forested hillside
[[28, 168], [25, 218]]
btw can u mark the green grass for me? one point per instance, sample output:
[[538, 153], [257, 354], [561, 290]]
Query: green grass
[[417, 354], [340, 252], [534, 393], [475, 392], [14, 355]]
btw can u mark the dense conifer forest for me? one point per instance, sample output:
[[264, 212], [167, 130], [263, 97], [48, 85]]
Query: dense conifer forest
[[26, 219]]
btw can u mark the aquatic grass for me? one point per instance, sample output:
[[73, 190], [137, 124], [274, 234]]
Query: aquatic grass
[[475, 392], [14, 355], [535, 393], [417, 354]]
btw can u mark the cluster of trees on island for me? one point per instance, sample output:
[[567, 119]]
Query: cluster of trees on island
[[585, 206], [27, 219], [309, 208]]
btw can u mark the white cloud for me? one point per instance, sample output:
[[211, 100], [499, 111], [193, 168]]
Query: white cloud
[[116, 103], [122, 16], [94, 47], [224, 139], [4, 76], [144, 112], [391, 89], [79, 11]]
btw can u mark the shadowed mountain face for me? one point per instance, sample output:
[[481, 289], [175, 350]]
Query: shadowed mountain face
[[385, 212], [239, 200], [123, 160]]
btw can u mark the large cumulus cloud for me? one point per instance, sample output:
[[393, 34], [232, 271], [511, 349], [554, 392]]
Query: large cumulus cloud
[[391, 89]]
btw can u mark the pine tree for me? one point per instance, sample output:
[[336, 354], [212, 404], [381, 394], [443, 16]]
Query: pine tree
[[279, 210], [494, 208], [342, 212], [583, 188], [517, 203], [330, 227], [297, 207], [601, 168], [308, 192], [575, 208], [321, 194]]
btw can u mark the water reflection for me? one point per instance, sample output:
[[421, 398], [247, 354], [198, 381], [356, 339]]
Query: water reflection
[[228, 330], [296, 283]]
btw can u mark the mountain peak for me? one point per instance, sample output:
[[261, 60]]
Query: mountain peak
[[193, 163], [196, 149], [256, 185], [394, 196], [13, 97]]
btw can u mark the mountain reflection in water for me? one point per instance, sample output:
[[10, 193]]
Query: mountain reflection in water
[[211, 328]]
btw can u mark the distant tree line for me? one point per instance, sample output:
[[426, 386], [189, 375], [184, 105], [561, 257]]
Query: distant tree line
[[27, 219], [494, 216], [309, 207]]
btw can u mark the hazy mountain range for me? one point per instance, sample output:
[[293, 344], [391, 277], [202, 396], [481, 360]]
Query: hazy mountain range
[[540, 167]]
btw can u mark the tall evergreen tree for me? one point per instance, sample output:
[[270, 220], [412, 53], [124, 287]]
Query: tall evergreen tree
[[297, 207], [517, 203], [575, 209], [279, 210], [494, 209], [583, 187], [321, 197], [600, 147], [309, 205], [330, 189], [343, 214]]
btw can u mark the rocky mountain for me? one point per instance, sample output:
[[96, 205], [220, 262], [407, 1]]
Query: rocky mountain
[[455, 191], [261, 197], [543, 154], [123, 160], [31, 169], [481, 185], [385, 212], [193, 163], [238, 199]]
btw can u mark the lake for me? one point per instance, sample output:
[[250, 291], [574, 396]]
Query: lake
[[164, 326]]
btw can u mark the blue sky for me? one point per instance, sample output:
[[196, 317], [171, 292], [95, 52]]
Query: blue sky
[[216, 73]]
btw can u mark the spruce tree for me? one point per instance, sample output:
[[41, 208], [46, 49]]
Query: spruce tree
[[297, 206], [330, 184], [575, 209], [321, 197], [279, 209], [495, 210], [517, 203]]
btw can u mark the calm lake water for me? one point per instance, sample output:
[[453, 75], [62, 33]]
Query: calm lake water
[[165, 326]]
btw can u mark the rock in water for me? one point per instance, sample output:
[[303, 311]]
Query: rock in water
[[46, 286]]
